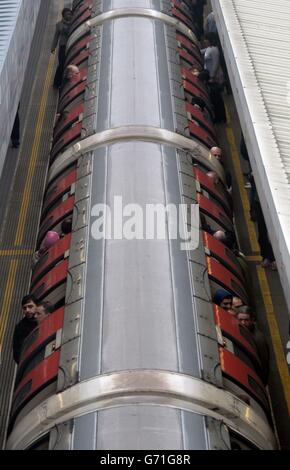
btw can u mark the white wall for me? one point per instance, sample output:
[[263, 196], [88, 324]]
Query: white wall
[[13, 69]]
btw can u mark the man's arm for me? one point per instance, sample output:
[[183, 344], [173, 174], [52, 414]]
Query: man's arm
[[56, 37], [17, 344]]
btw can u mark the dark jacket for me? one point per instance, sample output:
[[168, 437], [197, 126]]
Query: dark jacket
[[263, 351], [22, 330], [61, 34]]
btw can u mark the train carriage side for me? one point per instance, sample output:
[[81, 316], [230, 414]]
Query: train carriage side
[[135, 355]]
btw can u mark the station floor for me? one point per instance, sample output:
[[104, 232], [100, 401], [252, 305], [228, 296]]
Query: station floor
[[21, 192]]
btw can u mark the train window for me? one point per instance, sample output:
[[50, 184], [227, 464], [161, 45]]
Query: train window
[[183, 8], [259, 391], [70, 137], [21, 395], [232, 257], [59, 192], [41, 444], [182, 17], [201, 118], [60, 303], [77, 48], [30, 340], [53, 283], [237, 289], [240, 443], [248, 336], [188, 62], [81, 20], [30, 365], [246, 359], [189, 46]]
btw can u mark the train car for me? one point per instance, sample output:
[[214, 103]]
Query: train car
[[135, 354]]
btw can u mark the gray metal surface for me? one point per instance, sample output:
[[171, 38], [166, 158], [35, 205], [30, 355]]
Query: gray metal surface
[[255, 36], [108, 394], [12, 186], [17, 24], [139, 311]]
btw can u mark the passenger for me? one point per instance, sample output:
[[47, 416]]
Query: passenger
[[26, 325], [245, 155], [217, 153], [227, 238], [215, 94], [224, 299], [263, 238], [72, 73], [15, 136], [210, 24], [220, 235], [212, 59], [198, 16], [43, 310], [195, 71], [61, 36], [237, 303], [244, 265], [246, 319], [198, 103], [66, 227], [50, 239]]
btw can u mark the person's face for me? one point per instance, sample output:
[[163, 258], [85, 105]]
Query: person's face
[[216, 153], [67, 17], [226, 303], [237, 302], [30, 309], [41, 314], [245, 320], [72, 74]]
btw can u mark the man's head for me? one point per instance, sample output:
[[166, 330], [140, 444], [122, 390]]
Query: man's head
[[67, 15], [237, 303], [216, 152], [210, 39], [29, 306], [44, 309], [223, 299], [195, 71], [220, 235], [72, 72], [227, 238], [245, 317]]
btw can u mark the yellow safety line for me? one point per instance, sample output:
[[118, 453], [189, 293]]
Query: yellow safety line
[[16, 252], [275, 335], [8, 296], [9, 289], [254, 259], [33, 159], [264, 285]]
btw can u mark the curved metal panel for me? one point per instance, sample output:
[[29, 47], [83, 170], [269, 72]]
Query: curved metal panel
[[138, 133], [143, 387], [128, 12]]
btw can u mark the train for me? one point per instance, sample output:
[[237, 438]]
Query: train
[[135, 354]]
